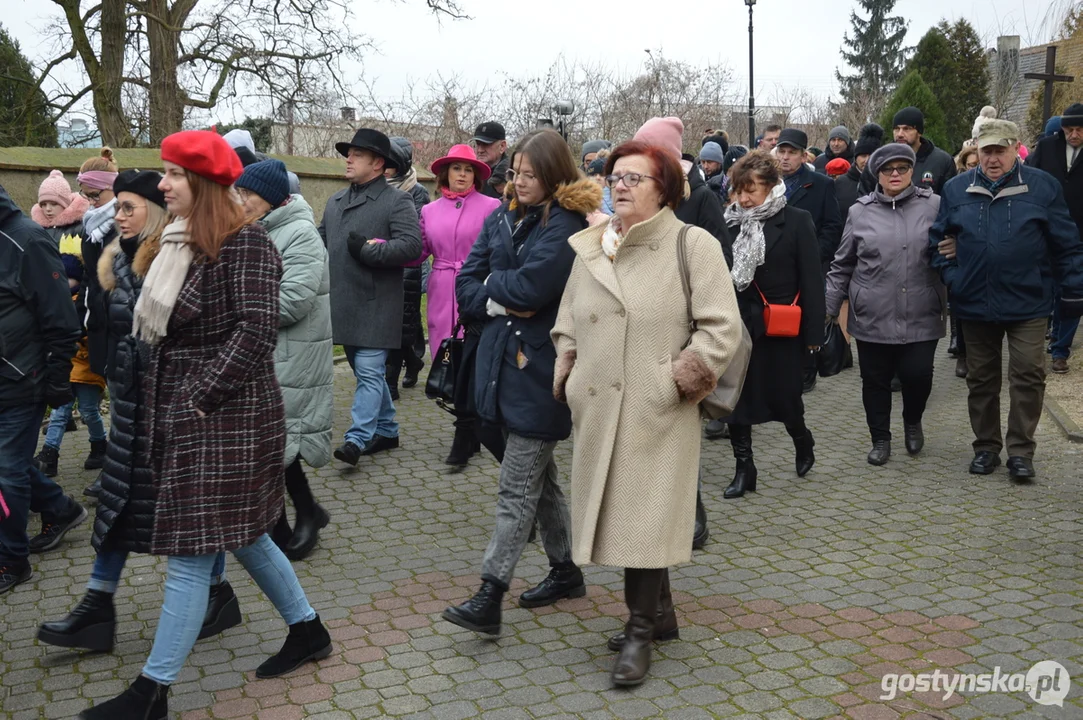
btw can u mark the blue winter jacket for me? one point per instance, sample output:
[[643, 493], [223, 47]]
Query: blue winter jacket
[[1011, 250], [524, 267]]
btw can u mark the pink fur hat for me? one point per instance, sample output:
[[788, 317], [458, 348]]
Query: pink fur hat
[[665, 133], [55, 189]]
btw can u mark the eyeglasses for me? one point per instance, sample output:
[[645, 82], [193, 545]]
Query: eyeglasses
[[91, 196], [899, 170], [511, 175], [630, 179], [128, 209]]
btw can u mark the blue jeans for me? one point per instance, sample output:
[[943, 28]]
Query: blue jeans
[[187, 584], [1061, 334], [108, 564], [89, 398], [372, 413], [25, 489]]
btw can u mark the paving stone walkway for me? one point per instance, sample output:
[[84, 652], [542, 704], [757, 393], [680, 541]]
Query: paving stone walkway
[[808, 593]]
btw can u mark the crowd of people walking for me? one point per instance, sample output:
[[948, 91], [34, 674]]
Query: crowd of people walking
[[598, 295]]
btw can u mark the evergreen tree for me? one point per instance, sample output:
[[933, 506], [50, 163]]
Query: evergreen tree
[[260, 129], [874, 50], [971, 69], [913, 92], [25, 119], [933, 61]]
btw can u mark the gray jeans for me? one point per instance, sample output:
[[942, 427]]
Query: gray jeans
[[528, 488]]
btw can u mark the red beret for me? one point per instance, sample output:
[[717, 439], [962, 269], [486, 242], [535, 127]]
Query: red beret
[[838, 166], [205, 153]]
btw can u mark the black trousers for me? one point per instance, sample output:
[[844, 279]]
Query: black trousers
[[913, 363]]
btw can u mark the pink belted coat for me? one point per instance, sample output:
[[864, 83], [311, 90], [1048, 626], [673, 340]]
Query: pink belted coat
[[448, 231]]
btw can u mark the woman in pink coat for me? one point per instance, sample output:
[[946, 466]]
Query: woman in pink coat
[[449, 227]]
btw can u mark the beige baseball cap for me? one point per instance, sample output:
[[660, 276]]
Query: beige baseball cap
[[997, 132]]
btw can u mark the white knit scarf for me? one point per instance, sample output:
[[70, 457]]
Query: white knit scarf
[[98, 222], [163, 283], [749, 247], [404, 182]]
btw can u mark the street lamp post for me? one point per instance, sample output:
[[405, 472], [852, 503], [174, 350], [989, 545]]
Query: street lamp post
[[751, 100]]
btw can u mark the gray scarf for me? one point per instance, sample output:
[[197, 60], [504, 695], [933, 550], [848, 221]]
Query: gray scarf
[[404, 182], [749, 247], [98, 222], [163, 283]]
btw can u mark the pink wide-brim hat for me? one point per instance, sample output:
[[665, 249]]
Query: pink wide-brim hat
[[462, 153]]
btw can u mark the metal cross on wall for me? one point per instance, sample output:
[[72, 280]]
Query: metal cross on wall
[[1049, 77]]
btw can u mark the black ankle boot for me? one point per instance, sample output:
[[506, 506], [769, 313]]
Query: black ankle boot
[[96, 457], [91, 625], [744, 480], [805, 458], [462, 447], [563, 581], [282, 532], [414, 366], [306, 641], [700, 532], [223, 611], [642, 593], [144, 700], [306, 531], [480, 613], [47, 460]]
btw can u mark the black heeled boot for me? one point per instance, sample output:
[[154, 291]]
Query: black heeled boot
[[953, 343], [311, 517], [804, 457], [306, 641], [145, 700], [223, 611], [666, 626], [91, 625], [462, 446], [282, 532], [480, 613], [744, 479], [414, 366], [700, 532], [642, 593]]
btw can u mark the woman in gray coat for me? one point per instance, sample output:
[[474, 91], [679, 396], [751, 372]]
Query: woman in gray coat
[[303, 357], [897, 303]]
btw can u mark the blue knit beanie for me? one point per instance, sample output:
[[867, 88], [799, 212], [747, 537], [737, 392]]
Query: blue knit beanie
[[1053, 126], [73, 266], [268, 179]]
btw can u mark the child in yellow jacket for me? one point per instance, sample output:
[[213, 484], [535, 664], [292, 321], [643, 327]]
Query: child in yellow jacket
[[86, 386]]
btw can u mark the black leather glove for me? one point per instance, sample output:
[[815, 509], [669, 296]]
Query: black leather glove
[[355, 243], [58, 395]]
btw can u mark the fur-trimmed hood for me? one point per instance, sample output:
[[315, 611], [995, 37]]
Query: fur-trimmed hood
[[144, 256], [582, 196], [71, 215]]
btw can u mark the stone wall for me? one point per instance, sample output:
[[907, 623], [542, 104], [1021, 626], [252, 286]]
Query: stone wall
[[23, 169]]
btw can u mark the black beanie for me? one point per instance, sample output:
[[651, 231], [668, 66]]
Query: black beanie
[[910, 116], [719, 139], [869, 140], [143, 183], [1072, 116]]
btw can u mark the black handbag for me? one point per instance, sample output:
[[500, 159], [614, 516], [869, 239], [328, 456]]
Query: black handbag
[[444, 373], [835, 354]]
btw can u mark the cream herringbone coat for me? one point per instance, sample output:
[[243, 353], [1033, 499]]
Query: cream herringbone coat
[[637, 443]]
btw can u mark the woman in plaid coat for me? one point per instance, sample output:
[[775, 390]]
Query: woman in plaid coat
[[209, 312]]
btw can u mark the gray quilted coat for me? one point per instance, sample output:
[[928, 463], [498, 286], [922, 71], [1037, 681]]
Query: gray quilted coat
[[303, 356]]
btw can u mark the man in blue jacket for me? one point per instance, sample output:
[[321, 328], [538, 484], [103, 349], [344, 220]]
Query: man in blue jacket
[[38, 332], [1015, 240]]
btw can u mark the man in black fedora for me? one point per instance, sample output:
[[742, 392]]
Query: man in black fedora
[[491, 144], [814, 193], [371, 230]]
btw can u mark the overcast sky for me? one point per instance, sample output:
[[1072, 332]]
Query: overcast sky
[[797, 41]]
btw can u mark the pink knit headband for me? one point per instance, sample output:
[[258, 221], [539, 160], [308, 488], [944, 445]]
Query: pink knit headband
[[97, 179]]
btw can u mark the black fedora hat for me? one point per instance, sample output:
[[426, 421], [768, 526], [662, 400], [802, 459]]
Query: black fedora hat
[[372, 140]]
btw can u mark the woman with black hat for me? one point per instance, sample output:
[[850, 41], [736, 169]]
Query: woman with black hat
[[209, 312], [125, 489]]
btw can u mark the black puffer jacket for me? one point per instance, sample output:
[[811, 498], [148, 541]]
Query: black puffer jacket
[[125, 518]]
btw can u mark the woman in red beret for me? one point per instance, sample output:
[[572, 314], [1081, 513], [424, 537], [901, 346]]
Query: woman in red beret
[[209, 313]]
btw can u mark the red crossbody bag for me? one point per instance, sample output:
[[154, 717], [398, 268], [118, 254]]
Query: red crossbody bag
[[781, 320]]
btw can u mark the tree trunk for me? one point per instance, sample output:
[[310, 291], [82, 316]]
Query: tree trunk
[[166, 100], [112, 122]]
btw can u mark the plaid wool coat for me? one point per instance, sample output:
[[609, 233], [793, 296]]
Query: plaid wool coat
[[219, 477]]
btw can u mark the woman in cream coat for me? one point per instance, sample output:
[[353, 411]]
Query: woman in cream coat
[[633, 387]]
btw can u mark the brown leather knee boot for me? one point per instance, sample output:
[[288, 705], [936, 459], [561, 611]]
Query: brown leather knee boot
[[642, 593]]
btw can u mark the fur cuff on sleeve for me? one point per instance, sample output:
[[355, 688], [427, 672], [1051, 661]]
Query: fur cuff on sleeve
[[694, 379], [563, 369]]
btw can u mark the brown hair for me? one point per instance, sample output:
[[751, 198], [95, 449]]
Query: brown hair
[[442, 178], [756, 166], [215, 215], [552, 161], [103, 162], [667, 171], [960, 159]]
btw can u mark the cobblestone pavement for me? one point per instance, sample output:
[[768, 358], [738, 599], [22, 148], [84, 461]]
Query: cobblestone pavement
[[807, 594]]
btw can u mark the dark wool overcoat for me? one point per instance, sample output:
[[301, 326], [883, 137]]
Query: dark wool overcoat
[[219, 477]]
